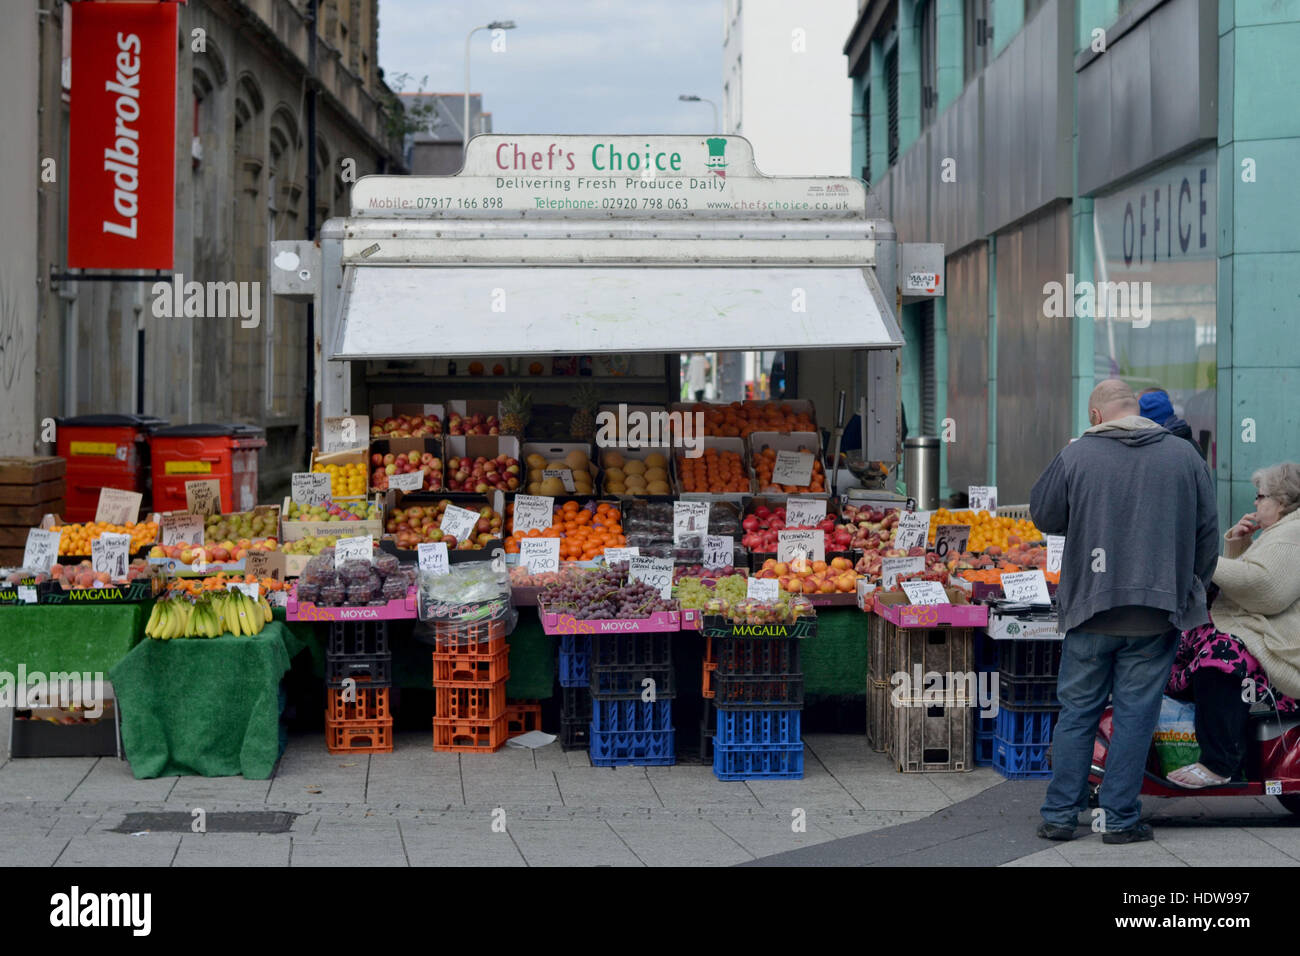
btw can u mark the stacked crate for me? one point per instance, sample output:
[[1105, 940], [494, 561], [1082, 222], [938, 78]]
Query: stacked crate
[[358, 682], [632, 689], [985, 728], [932, 721], [880, 720], [1027, 707], [470, 670], [758, 698], [574, 663], [30, 488]]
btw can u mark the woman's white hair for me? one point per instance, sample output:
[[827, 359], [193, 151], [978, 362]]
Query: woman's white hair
[[1280, 482]]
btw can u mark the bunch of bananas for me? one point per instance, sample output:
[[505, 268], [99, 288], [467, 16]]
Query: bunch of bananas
[[211, 615]]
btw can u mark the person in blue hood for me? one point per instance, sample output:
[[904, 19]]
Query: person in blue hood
[[1154, 405]]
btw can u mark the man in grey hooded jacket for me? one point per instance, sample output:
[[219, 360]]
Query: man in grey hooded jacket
[[1137, 508]]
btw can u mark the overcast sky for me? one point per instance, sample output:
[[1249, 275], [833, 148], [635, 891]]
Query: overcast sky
[[570, 66]]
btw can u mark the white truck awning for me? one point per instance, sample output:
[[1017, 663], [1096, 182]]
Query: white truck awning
[[413, 311]]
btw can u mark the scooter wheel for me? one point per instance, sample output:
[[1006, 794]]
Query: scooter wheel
[[1291, 801]]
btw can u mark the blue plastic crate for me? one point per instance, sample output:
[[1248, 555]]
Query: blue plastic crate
[[758, 727], [654, 748], [631, 716], [758, 763], [1021, 761], [1024, 726], [983, 750], [575, 660]]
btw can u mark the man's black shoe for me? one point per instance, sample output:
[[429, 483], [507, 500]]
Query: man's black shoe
[[1055, 831], [1139, 833]]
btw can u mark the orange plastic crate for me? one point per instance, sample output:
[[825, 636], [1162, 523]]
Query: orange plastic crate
[[710, 665], [370, 705], [478, 704], [468, 737], [451, 670], [475, 637], [359, 736], [523, 716]]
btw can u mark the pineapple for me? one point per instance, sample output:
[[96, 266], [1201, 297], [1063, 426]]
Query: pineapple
[[516, 412], [583, 425]]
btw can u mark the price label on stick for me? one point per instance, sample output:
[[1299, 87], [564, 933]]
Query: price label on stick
[[411, 481], [983, 498], [913, 529], [1026, 587], [763, 589], [359, 548], [309, 488], [719, 551], [690, 522], [951, 539], [925, 592], [117, 506], [42, 549], [539, 555], [1055, 551], [182, 527], [203, 497], [265, 564], [656, 572], [341, 432], [111, 553], [792, 468], [615, 555], [458, 522], [808, 542], [804, 512], [533, 511], [891, 568], [433, 557], [564, 474]]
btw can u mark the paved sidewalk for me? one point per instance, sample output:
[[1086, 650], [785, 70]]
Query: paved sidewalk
[[415, 807]]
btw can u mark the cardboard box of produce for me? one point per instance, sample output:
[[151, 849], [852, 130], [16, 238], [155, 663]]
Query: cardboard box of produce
[[491, 447], [789, 441], [394, 513], [734, 445], [643, 422], [404, 446], [797, 406], [616, 475], [478, 414], [895, 607], [538, 456], [381, 415], [294, 530]]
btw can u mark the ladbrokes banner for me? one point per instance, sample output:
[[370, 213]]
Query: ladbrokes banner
[[123, 137]]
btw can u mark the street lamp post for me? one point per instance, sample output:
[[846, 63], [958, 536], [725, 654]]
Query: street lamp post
[[494, 25], [692, 98]]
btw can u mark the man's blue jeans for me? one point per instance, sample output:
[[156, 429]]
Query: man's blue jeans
[[1135, 671]]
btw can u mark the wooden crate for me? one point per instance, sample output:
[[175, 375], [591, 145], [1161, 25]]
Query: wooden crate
[[31, 470], [32, 494], [29, 516]]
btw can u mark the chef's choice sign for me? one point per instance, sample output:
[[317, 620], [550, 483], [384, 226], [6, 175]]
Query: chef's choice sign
[[123, 135], [610, 175]]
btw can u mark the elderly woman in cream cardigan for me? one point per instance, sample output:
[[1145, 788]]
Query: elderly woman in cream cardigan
[[1250, 650]]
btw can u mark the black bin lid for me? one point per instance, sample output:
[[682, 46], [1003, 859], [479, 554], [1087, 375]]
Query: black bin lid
[[112, 421], [211, 430]]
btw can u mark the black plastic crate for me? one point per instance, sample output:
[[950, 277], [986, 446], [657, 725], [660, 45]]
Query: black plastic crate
[[624, 683], [357, 637], [631, 650], [1020, 659], [773, 692], [574, 734], [374, 670], [1028, 693], [708, 731], [575, 704], [756, 657]]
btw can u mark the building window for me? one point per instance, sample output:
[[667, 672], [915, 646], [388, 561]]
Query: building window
[[929, 67], [977, 27], [891, 97], [866, 135]]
